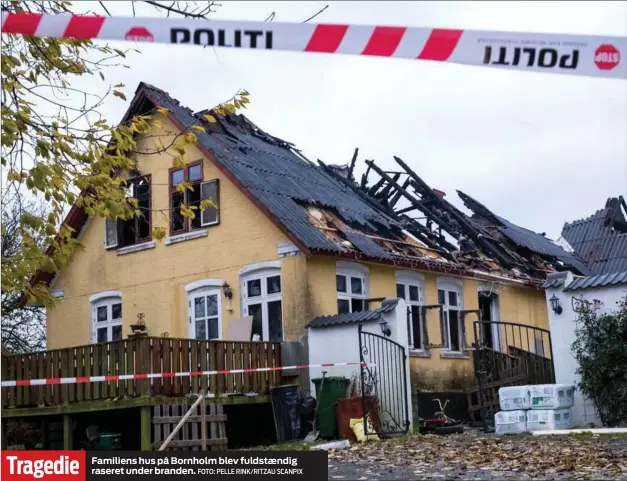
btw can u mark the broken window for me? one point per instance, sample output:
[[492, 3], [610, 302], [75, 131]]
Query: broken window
[[351, 288], [409, 286], [262, 299], [195, 192], [449, 297], [125, 232]]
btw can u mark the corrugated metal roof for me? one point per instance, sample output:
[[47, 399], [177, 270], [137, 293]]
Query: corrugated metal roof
[[600, 280], [540, 245], [354, 317], [603, 249], [555, 279], [283, 182]]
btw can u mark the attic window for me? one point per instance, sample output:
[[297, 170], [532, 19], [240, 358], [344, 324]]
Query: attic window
[[196, 191], [121, 233]]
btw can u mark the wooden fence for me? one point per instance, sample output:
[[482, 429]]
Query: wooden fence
[[140, 356]]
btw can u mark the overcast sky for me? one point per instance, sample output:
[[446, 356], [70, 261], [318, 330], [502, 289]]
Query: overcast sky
[[537, 149]]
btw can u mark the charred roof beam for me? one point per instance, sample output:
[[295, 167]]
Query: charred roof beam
[[469, 229], [415, 202]]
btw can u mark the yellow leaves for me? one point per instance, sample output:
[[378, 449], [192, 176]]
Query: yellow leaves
[[190, 138], [117, 93], [207, 203], [188, 211], [163, 111], [14, 176], [181, 187], [210, 118], [178, 161], [198, 128], [158, 233]]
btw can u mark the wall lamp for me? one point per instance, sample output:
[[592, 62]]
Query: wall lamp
[[227, 291], [384, 327], [555, 304]]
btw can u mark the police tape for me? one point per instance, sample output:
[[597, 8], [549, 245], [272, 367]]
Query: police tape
[[157, 375], [584, 55]]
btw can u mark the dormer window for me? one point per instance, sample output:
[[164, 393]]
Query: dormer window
[[195, 191]]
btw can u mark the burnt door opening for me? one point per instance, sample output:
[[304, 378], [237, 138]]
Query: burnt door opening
[[486, 305]]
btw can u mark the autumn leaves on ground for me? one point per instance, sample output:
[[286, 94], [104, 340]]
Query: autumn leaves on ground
[[478, 456]]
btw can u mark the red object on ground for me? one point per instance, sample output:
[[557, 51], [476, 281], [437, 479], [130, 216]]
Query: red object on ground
[[606, 57], [351, 408]]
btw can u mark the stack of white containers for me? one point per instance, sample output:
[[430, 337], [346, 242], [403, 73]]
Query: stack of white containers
[[534, 408]]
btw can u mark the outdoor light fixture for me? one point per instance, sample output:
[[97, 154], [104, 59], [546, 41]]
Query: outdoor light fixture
[[555, 304], [227, 291], [384, 327]]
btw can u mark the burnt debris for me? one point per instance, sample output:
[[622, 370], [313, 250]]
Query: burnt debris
[[483, 241]]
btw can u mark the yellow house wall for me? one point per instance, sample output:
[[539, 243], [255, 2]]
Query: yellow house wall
[[517, 304], [153, 281]]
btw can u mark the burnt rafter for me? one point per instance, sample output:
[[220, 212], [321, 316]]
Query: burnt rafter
[[454, 232], [480, 238], [430, 239]]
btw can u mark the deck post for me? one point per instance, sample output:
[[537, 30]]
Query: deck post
[[146, 428], [68, 434]]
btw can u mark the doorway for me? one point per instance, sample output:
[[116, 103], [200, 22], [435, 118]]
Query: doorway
[[489, 313]]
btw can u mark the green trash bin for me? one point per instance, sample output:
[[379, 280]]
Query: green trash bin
[[334, 388]]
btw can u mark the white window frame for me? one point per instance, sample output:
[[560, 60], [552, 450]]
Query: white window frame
[[202, 288], [407, 279], [262, 272], [215, 201], [110, 224], [105, 299], [348, 270], [451, 285]]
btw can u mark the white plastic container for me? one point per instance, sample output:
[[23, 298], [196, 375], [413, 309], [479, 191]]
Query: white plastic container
[[510, 422], [549, 419], [552, 396], [514, 398]]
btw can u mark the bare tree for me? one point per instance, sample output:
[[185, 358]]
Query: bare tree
[[23, 326]]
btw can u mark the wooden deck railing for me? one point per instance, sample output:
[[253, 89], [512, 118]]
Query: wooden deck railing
[[140, 356]]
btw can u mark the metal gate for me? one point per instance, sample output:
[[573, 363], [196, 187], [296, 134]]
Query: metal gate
[[508, 354], [384, 393]]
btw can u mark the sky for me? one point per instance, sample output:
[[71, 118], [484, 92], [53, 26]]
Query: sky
[[538, 149]]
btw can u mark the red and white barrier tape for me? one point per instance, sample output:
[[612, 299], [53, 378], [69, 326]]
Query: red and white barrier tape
[[132, 377], [586, 55]]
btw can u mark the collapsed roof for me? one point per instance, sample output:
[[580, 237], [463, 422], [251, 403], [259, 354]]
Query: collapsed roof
[[601, 239], [323, 210]]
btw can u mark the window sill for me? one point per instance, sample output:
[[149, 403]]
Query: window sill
[[195, 234], [136, 248], [453, 355], [419, 353]]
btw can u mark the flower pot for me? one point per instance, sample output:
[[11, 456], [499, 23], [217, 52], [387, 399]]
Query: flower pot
[[353, 408]]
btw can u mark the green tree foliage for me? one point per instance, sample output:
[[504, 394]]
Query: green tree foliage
[[56, 146], [600, 349]]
